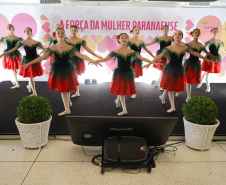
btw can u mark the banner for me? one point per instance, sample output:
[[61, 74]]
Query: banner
[[99, 26]]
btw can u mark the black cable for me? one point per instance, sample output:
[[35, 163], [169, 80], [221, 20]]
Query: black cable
[[95, 157]]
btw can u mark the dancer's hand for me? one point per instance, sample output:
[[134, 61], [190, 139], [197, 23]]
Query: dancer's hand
[[209, 61], [146, 66], [25, 66], [158, 64]]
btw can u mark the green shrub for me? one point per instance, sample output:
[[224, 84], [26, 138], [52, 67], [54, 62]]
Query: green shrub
[[200, 110], [34, 109]]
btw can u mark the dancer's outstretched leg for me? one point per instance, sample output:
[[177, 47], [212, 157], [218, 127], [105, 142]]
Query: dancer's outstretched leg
[[207, 83], [29, 86], [163, 96], [15, 80], [32, 84], [77, 93], [123, 102], [157, 83], [188, 88], [117, 101], [199, 85], [171, 98], [65, 99]]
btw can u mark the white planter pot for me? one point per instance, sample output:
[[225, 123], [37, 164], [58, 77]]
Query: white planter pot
[[34, 135], [199, 136]]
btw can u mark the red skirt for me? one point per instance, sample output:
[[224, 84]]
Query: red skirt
[[120, 86], [60, 84], [173, 79], [11, 62], [162, 61], [32, 71], [213, 67], [80, 67], [193, 76], [137, 69]]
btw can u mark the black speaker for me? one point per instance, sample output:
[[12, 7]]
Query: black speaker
[[125, 149]]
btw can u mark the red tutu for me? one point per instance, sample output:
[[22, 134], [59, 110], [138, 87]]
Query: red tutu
[[80, 67], [163, 61], [9, 63], [170, 83], [67, 84], [32, 71], [137, 69], [50, 60], [213, 67], [122, 87], [192, 76]]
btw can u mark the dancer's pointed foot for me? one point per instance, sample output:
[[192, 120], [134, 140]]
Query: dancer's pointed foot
[[160, 89], [64, 113], [163, 100], [177, 94], [15, 86], [75, 95], [117, 103], [171, 110], [133, 96], [70, 103], [199, 85], [187, 99], [208, 89], [122, 113], [33, 94], [28, 88], [13, 82]]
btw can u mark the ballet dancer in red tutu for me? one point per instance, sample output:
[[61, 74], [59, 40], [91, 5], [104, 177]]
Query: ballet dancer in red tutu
[[78, 62], [30, 46], [12, 61], [215, 66], [123, 76], [173, 77], [62, 75], [136, 44], [192, 65], [163, 41]]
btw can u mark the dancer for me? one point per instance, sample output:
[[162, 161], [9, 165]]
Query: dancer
[[163, 41], [78, 62], [62, 74], [215, 66], [123, 76], [192, 65], [173, 78], [12, 61], [30, 47], [136, 44]]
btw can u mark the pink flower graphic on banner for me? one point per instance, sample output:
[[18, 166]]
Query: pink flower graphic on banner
[[45, 27], [21, 21], [44, 18], [106, 44], [3, 25], [206, 24], [96, 39], [187, 39], [153, 47], [190, 24]]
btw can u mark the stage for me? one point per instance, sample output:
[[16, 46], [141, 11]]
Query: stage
[[96, 100]]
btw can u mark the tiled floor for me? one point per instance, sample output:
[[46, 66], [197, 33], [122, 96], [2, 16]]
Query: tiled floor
[[61, 162]]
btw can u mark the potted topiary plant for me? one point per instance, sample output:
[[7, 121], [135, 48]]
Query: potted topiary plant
[[200, 122], [33, 121]]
